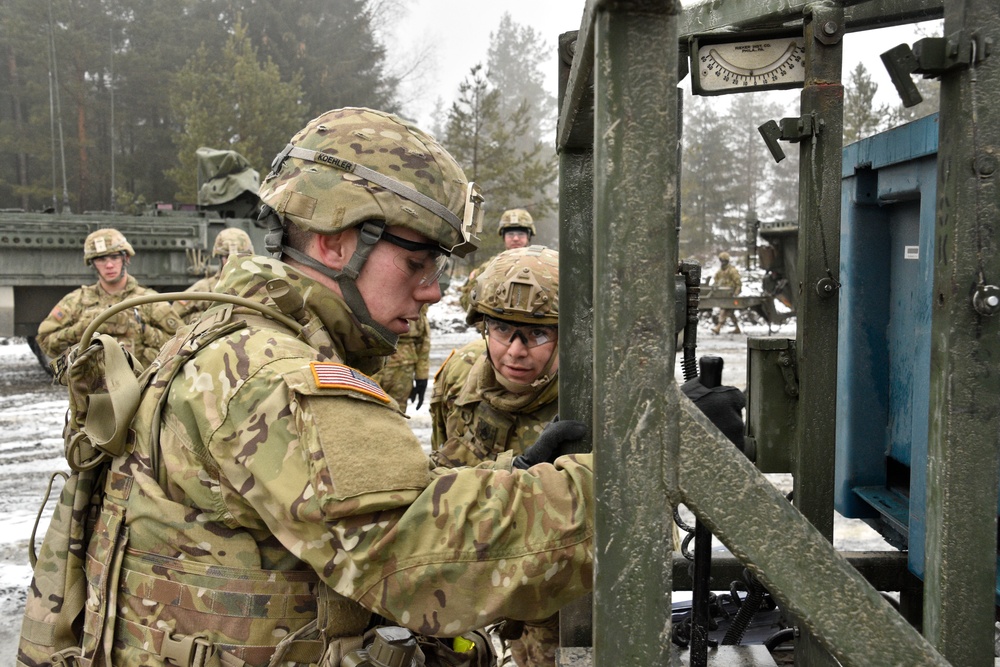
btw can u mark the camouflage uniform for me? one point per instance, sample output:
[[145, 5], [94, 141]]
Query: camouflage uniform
[[229, 241], [475, 418], [727, 277], [273, 496], [410, 362], [472, 416], [141, 330]]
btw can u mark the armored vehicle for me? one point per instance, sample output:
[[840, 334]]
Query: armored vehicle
[[41, 254]]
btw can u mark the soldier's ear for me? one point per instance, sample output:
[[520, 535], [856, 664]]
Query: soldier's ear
[[336, 250]]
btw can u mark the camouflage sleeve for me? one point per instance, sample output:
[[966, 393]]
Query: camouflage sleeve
[[161, 322], [423, 348], [439, 407], [62, 328], [737, 282], [440, 553]]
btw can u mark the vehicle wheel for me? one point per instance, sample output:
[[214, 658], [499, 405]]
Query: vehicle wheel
[[43, 358]]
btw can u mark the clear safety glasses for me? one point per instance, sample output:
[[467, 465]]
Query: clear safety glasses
[[423, 262], [109, 259], [531, 335]]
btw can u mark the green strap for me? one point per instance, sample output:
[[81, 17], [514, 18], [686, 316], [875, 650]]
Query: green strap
[[109, 415]]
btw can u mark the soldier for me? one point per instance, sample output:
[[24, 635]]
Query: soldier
[[230, 241], [516, 228], [404, 376], [497, 394], [141, 330], [727, 277], [273, 500]]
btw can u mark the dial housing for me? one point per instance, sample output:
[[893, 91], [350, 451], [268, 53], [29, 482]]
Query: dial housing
[[719, 67]]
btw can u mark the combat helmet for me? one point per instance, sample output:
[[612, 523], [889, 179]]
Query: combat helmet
[[516, 218], [105, 242], [231, 240], [357, 167], [519, 285], [723, 257]]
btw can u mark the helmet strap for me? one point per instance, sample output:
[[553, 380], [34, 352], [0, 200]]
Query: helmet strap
[[368, 235]]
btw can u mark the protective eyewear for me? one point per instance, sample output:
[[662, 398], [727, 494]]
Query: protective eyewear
[[531, 335], [423, 262], [109, 259]]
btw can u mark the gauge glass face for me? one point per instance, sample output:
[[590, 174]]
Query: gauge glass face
[[761, 64]]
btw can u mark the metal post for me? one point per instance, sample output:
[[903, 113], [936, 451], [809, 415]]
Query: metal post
[[576, 303], [819, 269], [963, 440], [635, 190]]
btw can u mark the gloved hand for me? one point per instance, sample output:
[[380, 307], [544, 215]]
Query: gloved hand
[[418, 391], [723, 405], [546, 448]]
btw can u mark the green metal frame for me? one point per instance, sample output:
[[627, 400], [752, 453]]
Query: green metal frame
[[617, 139]]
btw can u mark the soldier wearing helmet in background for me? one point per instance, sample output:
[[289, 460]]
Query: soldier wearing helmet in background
[[230, 241], [404, 376], [274, 504], [496, 395], [516, 229], [727, 277], [141, 330]]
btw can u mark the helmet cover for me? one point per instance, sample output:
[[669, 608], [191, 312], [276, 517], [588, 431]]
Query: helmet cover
[[323, 193], [519, 285], [105, 242], [516, 218], [231, 240]]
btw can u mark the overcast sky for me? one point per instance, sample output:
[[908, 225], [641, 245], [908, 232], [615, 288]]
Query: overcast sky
[[454, 35]]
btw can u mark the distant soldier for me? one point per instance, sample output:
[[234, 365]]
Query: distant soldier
[[727, 277], [516, 228], [230, 241], [404, 376], [142, 330]]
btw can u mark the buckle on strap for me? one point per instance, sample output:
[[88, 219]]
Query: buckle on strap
[[68, 657], [180, 650]]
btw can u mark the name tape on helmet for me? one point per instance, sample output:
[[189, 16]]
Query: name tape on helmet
[[463, 227]]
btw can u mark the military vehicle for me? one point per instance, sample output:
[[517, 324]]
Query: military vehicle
[[884, 404], [41, 254]]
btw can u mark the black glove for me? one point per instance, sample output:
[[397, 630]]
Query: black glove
[[723, 405], [550, 441], [418, 391]]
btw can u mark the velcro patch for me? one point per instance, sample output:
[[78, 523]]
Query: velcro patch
[[329, 375]]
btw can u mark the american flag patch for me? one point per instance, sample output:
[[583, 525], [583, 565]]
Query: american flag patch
[[329, 375]]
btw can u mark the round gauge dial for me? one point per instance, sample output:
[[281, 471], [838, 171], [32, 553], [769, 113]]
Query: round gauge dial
[[760, 64]]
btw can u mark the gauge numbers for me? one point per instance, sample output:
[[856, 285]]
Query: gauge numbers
[[761, 64]]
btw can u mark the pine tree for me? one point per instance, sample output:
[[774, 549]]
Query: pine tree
[[233, 102], [862, 118], [484, 141]]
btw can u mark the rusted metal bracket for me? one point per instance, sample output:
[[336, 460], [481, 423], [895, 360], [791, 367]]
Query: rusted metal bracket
[[792, 130], [932, 57]]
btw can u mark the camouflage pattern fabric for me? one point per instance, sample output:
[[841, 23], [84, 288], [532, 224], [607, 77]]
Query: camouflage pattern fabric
[[142, 330], [729, 276], [469, 428], [189, 311], [537, 644], [286, 489], [465, 292], [410, 362]]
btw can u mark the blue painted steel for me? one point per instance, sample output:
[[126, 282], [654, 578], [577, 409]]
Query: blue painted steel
[[886, 266]]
